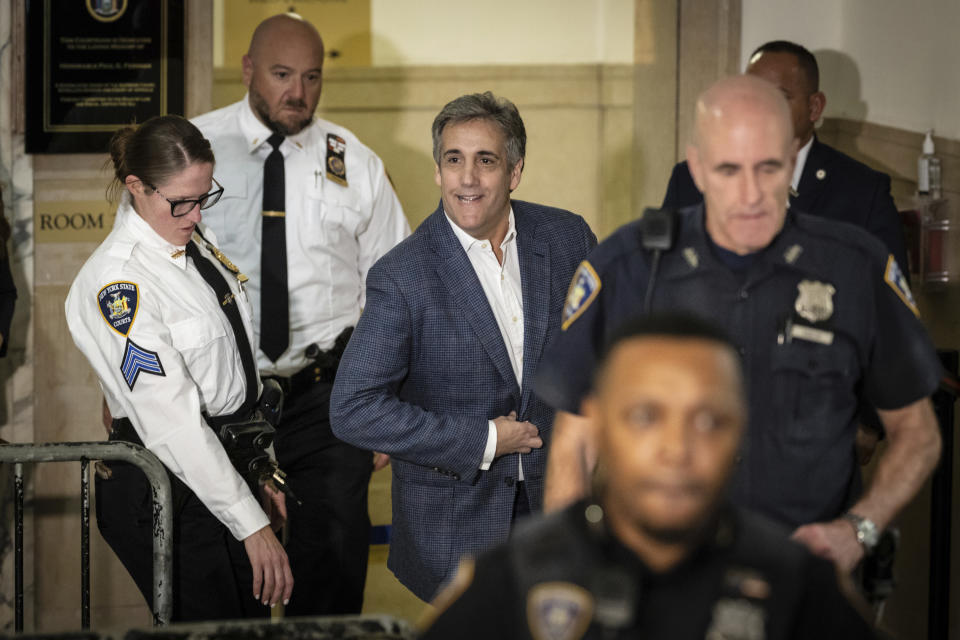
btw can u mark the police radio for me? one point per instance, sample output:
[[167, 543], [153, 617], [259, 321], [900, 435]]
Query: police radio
[[659, 228]]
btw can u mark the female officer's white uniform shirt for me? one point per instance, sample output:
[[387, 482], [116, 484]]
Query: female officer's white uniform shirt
[[165, 352]]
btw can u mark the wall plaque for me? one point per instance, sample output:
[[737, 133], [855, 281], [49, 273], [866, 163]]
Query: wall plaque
[[72, 220], [94, 66]]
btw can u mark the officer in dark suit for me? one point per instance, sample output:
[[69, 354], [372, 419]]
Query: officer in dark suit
[[657, 552], [826, 182]]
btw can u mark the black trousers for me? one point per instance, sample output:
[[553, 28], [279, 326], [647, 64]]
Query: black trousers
[[212, 577], [329, 537]]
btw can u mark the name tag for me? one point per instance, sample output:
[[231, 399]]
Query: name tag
[[810, 334]]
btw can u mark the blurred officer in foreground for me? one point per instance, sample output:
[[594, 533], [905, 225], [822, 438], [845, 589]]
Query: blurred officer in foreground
[[820, 313], [658, 552]]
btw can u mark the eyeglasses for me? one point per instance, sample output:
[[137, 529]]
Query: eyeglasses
[[180, 208]]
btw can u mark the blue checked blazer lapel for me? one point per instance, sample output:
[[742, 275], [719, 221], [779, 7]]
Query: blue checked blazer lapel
[[535, 282], [459, 278]]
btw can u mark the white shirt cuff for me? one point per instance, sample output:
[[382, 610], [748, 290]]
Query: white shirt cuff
[[491, 448], [244, 518]]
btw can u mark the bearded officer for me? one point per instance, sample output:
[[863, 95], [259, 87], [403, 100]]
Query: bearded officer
[[307, 210]]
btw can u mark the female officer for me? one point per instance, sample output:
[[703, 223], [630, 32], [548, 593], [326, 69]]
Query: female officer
[[162, 318]]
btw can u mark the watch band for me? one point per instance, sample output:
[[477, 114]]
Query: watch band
[[866, 530]]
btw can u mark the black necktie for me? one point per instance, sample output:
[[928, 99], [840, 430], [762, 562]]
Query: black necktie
[[210, 273], [274, 309]]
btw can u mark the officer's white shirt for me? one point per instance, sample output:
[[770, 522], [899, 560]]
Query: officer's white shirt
[[502, 287], [334, 233], [802, 155], [177, 316]]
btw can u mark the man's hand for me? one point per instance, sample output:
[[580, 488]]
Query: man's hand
[[514, 436], [380, 460], [835, 540], [571, 461], [274, 503], [272, 578]]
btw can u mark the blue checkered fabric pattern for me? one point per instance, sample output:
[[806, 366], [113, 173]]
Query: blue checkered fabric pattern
[[427, 368]]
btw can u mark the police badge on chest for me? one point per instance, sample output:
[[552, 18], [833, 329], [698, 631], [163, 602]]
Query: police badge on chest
[[812, 311]]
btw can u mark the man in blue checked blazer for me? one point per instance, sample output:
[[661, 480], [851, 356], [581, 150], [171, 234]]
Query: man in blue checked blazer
[[439, 370]]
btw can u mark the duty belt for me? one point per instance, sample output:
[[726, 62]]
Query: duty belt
[[246, 437], [322, 369]]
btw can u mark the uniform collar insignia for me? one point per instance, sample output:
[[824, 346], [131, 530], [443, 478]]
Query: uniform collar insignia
[[690, 255], [176, 254], [747, 583], [792, 253]]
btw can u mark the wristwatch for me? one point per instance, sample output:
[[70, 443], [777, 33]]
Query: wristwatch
[[866, 529]]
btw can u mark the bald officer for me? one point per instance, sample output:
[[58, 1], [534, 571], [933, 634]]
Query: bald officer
[[820, 312], [307, 209]]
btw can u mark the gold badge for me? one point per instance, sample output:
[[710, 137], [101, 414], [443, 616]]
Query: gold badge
[[559, 611], [815, 302], [336, 159]]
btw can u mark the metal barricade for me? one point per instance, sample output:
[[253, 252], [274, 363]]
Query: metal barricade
[[162, 514]]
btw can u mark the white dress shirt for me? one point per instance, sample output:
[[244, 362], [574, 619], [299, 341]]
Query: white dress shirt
[[501, 286], [801, 162], [334, 233], [176, 315]]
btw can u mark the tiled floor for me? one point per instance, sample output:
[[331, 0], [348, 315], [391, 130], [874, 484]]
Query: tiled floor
[[384, 594]]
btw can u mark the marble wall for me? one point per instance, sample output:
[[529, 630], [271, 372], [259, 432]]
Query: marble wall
[[16, 370]]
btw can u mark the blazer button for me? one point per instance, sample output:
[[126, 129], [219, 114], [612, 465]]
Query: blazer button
[[508, 481]]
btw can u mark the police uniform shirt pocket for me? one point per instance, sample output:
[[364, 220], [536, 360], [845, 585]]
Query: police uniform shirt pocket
[[813, 393], [203, 343], [334, 214], [228, 218]]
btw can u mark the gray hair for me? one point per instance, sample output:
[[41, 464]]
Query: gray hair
[[484, 106]]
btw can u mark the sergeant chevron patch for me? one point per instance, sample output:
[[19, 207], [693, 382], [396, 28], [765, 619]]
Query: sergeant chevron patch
[[136, 359]]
